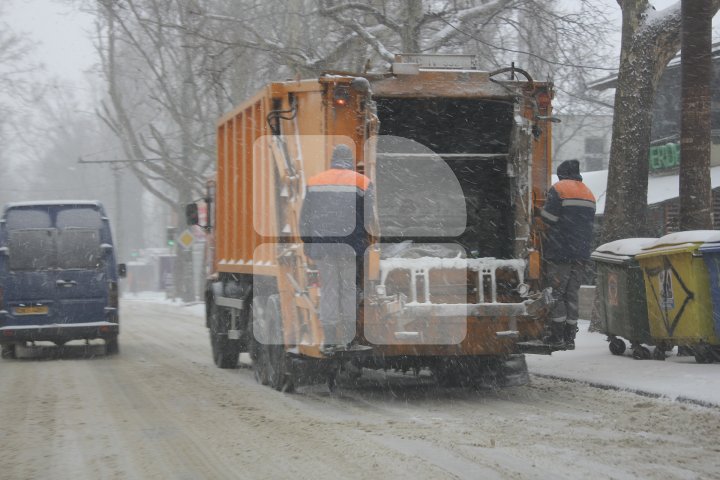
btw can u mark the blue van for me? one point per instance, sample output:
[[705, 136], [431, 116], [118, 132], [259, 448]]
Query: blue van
[[58, 276]]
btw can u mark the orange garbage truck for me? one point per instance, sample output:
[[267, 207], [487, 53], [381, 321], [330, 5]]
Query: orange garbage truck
[[460, 162]]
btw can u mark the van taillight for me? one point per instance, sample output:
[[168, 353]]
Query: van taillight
[[112, 294]]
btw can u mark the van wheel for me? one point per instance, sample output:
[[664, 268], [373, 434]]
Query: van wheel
[[8, 351], [111, 345], [226, 352]]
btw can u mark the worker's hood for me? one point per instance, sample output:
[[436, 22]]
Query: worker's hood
[[342, 157]]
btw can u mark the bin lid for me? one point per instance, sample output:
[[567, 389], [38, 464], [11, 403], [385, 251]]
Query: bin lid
[[621, 251], [690, 236], [680, 242]]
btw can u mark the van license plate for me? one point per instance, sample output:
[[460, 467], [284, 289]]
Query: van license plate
[[36, 310]]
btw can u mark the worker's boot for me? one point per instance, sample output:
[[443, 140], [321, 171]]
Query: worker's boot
[[556, 336], [569, 333]]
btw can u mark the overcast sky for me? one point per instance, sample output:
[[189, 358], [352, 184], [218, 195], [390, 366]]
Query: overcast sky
[[62, 35]]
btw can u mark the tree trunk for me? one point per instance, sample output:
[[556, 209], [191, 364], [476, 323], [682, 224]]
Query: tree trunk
[[695, 187], [643, 56], [410, 34], [649, 41]]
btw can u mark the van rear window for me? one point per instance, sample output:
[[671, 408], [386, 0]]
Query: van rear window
[[78, 248], [78, 218], [32, 249], [44, 249], [24, 218]]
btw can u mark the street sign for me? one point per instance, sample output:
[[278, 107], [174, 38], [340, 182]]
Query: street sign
[[186, 239]]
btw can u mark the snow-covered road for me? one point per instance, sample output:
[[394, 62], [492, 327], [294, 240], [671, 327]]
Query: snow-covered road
[[162, 410]]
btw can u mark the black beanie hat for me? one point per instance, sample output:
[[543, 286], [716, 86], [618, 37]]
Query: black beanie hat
[[569, 170]]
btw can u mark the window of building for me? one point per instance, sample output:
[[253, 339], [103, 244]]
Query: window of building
[[594, 145]]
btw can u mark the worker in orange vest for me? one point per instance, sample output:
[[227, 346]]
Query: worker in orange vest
[[569, 214], [337, 207]]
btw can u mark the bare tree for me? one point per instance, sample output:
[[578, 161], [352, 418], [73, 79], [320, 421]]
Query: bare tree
[[650, 39], [16, 92], [158, 104]]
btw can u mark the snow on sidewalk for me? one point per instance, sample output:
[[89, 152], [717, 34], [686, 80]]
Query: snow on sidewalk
[[592, 362]]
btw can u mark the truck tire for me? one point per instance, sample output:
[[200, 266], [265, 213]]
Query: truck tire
[[271, 364], [226, 352], [111, 345]]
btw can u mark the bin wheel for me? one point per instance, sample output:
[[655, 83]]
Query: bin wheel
[[642, 353], [703, 355], [617, 346], [659, 353]]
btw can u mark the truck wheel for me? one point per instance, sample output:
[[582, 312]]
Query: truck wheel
[[277, 363], [8, 351], [111, 345], [226, 352]]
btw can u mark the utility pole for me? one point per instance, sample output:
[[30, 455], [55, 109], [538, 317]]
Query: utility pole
[[695, 130], [119, 223]]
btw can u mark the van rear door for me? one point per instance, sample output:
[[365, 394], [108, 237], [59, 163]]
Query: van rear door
[[31, 295], [81, 285]]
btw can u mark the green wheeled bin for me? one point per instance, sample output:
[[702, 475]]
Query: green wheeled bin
[[622, 308], [677, 288]]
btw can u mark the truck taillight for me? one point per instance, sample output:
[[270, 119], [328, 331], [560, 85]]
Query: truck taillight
[[112, 294], [342, 96]]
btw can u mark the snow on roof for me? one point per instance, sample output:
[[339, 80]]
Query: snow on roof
[[660, 188]]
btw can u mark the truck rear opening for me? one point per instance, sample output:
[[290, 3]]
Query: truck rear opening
[[472, 137]]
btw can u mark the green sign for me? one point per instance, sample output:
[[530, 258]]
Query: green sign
[[664, 157]]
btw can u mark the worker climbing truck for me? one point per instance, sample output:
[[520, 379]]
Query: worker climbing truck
[[460, 162]]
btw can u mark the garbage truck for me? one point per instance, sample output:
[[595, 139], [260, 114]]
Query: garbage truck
[[460, 161]]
